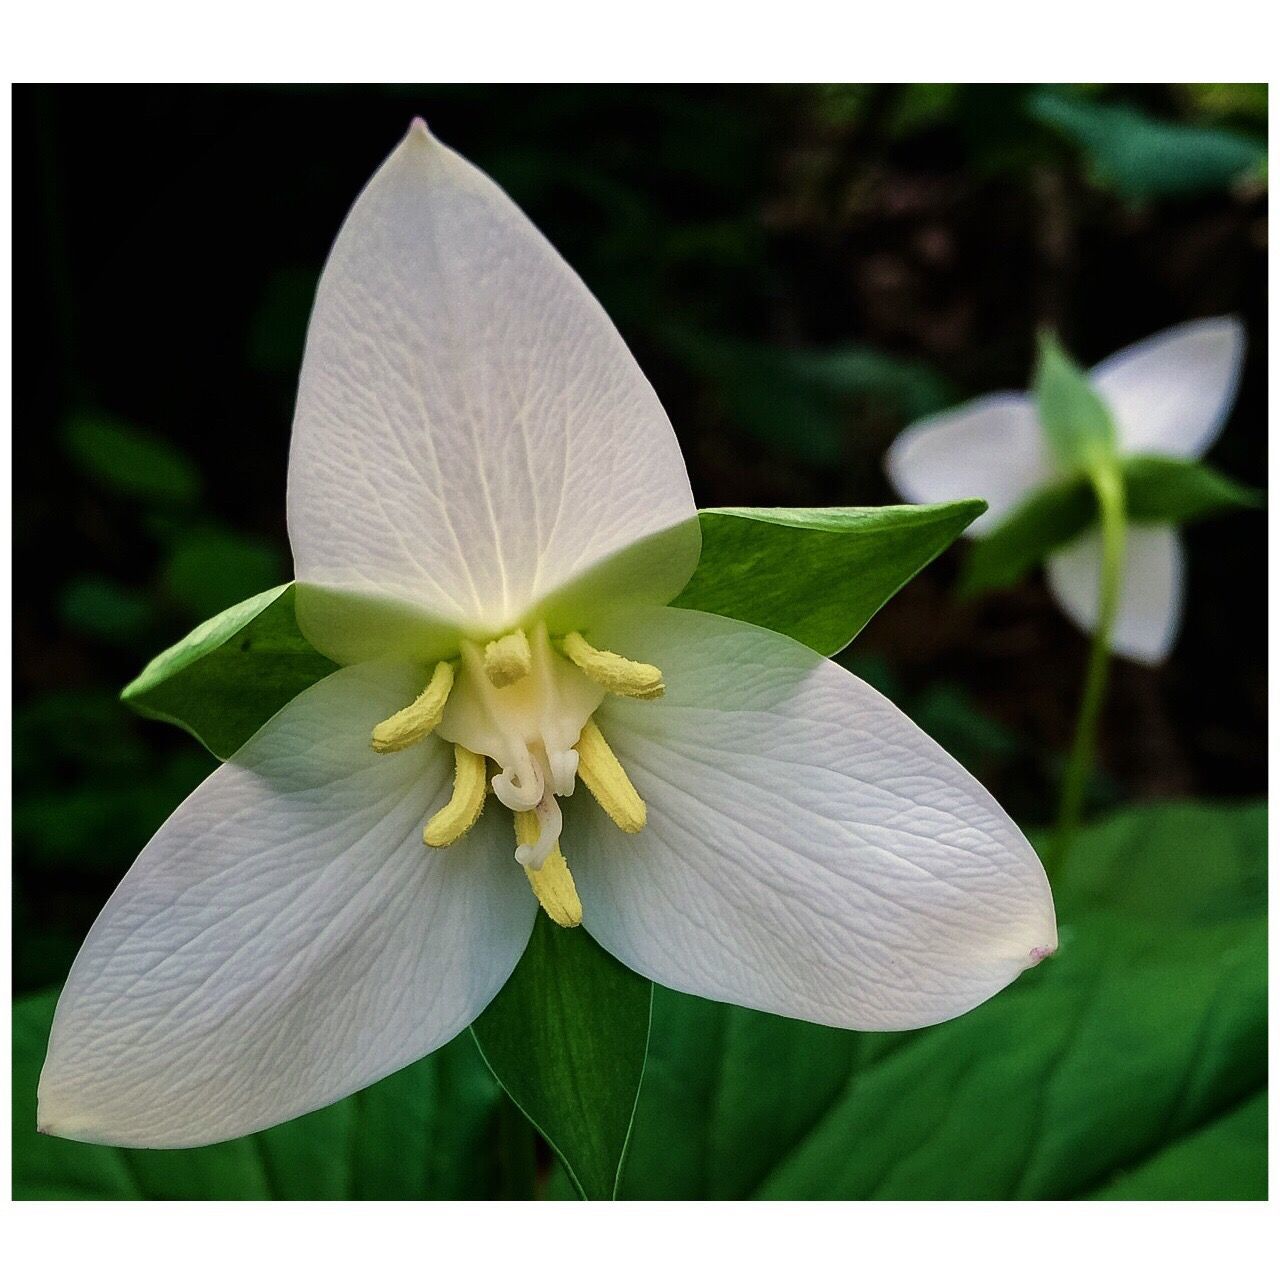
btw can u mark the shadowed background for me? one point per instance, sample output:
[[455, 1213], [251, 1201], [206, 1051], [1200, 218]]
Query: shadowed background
[[800, 270]]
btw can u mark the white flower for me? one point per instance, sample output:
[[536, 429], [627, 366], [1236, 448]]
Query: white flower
[[1169, 394], [482, 479]]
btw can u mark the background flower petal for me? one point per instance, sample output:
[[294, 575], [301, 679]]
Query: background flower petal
[[1171, 393], [1150, 607], [472, 433], [992, 447], [286, 938], [809, 851]]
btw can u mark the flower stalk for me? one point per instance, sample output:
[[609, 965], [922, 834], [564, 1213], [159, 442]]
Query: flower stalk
[[1108, 487]]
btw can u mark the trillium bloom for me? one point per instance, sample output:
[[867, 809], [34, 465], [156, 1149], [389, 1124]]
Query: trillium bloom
[[488, 512], [1169, 394]]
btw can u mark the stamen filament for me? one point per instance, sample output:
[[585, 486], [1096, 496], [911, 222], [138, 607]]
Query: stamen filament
[[605, 778], [466, 803], [552, 883], [412, 724], [617, 675], [508, 659]]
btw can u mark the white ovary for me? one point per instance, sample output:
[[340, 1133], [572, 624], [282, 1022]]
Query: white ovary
[[528, 729]]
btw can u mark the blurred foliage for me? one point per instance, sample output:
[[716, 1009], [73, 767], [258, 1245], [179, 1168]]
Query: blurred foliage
[[1142, 157], [800, 270]]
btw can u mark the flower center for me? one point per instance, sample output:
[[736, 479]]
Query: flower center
[[525, 707]]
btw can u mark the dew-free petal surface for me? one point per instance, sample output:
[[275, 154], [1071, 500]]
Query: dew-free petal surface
[[809, 850], [286, 938], [1150, 608], [472, 433], [992, 447], [1171, 393]]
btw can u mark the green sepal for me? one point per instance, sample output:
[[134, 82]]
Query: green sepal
[[567, 1039], [232, 673], [817, 575], [1075, 418], [1161, 489], [1158, 489]]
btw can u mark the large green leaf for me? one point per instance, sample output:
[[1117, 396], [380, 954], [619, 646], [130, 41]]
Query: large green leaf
[[567, 1038], [232, 673], [1158, 489], [817, 575], [1130, 1063], [425, 1133], [1142, 157]]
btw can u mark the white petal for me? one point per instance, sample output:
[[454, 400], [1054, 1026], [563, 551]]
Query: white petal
[[1150, 607], [992, 447], [1172, 393], [286, 938], [809, 851], [472, 433]]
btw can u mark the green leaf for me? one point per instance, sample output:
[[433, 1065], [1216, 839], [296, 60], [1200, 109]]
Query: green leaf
[[1161, 489], [1158, 489], [128, 460], [1220, 1162], [1075, 418], [1046, 521], [232, 673], [211, 569], [1135, 1055], [567, 1038], [1141, 157], [817, 575], [102, 609], [425, 1133]]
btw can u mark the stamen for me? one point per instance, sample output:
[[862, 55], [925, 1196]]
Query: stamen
[[598, 767], [466, 803], [412, 724], [617, 675], [508, 659], [551, 882]]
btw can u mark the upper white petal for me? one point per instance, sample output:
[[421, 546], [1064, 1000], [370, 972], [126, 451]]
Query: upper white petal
[[1171, 393], [992, 447], [472, 433], [809, 851], [1150, 607], [286, 938]]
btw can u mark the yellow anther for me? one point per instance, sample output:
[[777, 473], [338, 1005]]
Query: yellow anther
[[606, 780], [617, 675], [553, 884], [415, 722], [508, 659], [460, 814]]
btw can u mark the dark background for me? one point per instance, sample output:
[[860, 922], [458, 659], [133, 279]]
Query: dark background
[[800, 270]]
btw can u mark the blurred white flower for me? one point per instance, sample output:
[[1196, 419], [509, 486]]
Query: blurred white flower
[[1169, 394], [481, 479]]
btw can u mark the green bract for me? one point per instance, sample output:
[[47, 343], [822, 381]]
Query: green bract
[[816, 575], [1158, 489], [1075, 418], [566, 1038]]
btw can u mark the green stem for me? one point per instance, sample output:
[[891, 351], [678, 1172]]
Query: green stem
[[1108, 487]]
